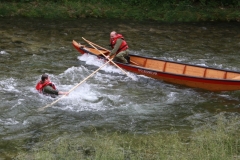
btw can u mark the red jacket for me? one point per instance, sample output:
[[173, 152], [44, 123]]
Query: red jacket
[[122, 47], [40, 85]]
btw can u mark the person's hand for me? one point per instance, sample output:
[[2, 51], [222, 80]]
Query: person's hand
[[110, 57], [63, 93]]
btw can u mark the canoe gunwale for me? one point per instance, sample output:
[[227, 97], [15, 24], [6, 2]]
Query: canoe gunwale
[[193, 65]]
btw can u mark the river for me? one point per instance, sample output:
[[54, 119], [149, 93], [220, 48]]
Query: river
[[109, 100]]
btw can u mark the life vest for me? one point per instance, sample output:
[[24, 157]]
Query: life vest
[[122, 47], [40, 85]]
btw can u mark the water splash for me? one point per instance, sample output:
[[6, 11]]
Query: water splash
[[3, 52], [9, 85]]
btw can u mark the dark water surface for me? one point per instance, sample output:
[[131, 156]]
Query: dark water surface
[[109, 100]]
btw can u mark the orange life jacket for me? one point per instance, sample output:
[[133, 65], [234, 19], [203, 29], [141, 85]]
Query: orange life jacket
[[122, 47], [40, 85]]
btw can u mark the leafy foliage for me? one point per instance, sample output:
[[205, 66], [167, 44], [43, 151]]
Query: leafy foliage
[[157, 10], [213, 3]]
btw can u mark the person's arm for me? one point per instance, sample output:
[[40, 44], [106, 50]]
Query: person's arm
[[50, 90], [116, 47], [62, 93]]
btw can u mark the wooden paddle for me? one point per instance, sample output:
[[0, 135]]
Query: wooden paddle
[[107, 57], [96, 45], [42, 108], [105, 49]]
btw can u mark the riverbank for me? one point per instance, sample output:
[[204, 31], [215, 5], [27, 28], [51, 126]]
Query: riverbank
[[210, 142], [166, 12]]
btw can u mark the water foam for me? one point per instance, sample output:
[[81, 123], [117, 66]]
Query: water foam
[[3, 52], [93, 60], [92, 94], [8, 121], [9, 85], [83, 95]]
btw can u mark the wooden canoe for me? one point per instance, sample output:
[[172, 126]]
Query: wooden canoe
[[195, 76]]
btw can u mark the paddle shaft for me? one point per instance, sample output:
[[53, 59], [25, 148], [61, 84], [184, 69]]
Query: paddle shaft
[[108, 50], [106, 57], [74, 87], [97, 45]]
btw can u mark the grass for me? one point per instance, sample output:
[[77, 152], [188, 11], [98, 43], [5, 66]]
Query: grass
[[219, 142], [163, 13]]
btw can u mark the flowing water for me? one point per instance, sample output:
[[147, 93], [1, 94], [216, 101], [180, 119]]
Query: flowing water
[[109, 100]]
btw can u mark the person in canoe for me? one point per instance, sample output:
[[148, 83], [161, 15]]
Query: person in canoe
[[119, 48], [46, 87]]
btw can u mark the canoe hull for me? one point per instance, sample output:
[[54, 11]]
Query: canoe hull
[[194, 82], [212, 79]]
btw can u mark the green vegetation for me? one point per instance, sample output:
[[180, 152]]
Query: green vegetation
[[158, 10], [218, 142]]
